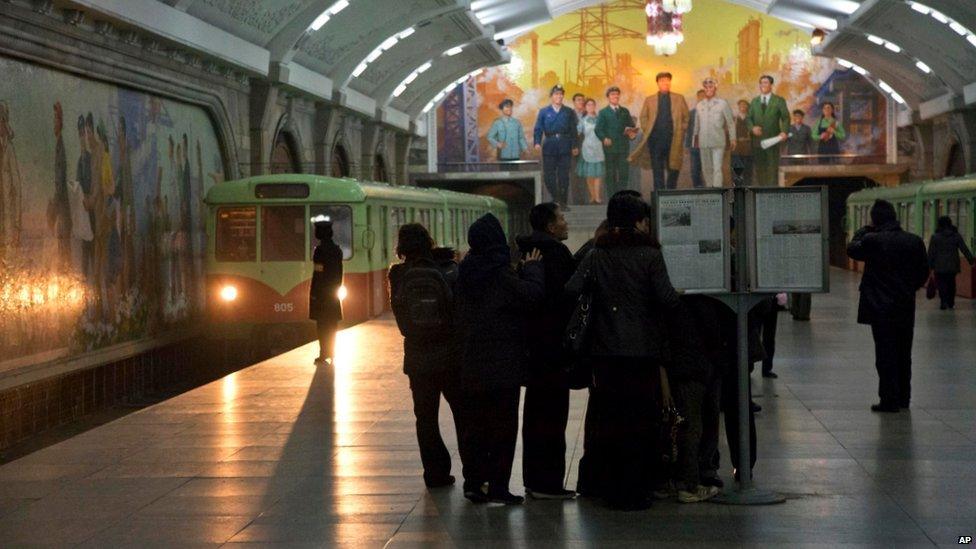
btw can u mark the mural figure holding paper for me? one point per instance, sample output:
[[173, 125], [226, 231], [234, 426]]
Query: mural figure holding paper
[[769, 119]]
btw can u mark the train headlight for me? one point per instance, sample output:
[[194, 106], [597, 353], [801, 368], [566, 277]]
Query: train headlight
[[228, 293], [342, 293]]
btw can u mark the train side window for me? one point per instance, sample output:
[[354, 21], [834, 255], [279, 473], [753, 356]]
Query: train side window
[[910, 225], [963, 221], [283, 233], [342, 228], [385, 232], [953, 211], [236, 234]]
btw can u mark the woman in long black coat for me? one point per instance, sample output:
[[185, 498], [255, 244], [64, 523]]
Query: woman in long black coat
[[494, 301], [324, 306], [632, 300], [944, 248]]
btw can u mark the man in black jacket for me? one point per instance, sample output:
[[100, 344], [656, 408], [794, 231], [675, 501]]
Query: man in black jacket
[[546, 409], [895, 267]]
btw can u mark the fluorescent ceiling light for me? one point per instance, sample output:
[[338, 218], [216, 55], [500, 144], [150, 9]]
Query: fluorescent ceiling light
[[454, 51], [923, 67], [971, 39], [892, 47], [845, 63], [378, 50], [920, 8], [410, 78], [846, 6], [939, 16], [860, 70], [960, 30], [324, 17], [874, 39]]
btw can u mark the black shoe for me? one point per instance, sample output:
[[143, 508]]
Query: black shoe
[[755, 407], [713, 481], [505, 497], [770, 375], [884, 408], [554, 493], [475, 493], [439, 482]]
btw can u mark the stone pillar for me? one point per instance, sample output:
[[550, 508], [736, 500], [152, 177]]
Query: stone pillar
[[263, 99], [372, 133], [401, 159]]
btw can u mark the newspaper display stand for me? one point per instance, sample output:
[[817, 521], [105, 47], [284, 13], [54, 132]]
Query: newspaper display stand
[[781, 246], [693, 228]]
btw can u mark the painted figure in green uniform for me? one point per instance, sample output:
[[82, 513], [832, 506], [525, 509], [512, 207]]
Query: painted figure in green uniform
[[768, 117], [614, 127]]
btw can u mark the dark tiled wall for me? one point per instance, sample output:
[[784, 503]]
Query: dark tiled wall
[[35, 407]]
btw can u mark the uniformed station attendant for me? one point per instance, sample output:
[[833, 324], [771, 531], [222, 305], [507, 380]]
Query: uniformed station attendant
[[324, 306], [555, 136]]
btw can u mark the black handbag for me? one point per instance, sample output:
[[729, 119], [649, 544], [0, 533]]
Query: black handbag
[[579, 371]]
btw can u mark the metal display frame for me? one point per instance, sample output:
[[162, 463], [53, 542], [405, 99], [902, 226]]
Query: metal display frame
[[751, 228], [726, 197]]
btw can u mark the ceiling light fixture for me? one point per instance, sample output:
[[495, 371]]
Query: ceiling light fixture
[[324, 17]]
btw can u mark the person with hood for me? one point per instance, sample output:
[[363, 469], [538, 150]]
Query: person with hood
[[944, 247], [431, 349], [324, 306], [632, 299], [494, 301], [546, 409], [895, 267]]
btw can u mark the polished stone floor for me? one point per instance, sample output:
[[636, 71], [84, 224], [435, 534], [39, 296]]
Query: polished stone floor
[[284, 454]]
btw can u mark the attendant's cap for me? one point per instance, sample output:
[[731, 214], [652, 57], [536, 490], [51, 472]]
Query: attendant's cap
[[709, 80], [612, 89], [557, 88]]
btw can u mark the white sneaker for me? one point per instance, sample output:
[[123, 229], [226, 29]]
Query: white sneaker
[[701, 493]]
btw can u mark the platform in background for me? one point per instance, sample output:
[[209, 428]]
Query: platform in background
[[283, 452]]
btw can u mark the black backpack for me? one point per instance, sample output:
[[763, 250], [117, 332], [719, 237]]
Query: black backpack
[[423, 305]]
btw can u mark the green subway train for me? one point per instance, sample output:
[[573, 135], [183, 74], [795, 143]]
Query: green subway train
[[919, 205], [259, 244]]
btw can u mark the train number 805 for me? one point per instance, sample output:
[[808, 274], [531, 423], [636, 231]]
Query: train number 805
[[284, 307]]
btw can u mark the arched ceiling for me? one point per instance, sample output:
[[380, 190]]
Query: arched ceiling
[[362, 53]]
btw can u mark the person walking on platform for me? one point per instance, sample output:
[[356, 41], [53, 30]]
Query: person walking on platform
[[828, 132], [697, 178], [714, 133], [742, 151], [777, 303], [591, 161], [557, 125], [799, 139], [324, 306], [494, 301], [614, 129], [944, 247], [506, 134], [895, 267], [546, 409], [422, 292], [768, 117], [632, 298], [664, 121]]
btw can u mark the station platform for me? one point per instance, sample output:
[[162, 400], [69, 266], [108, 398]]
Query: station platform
[[286, 454]]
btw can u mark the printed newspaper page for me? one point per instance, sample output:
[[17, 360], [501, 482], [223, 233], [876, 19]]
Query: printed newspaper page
[[692, 235], [789, 241]]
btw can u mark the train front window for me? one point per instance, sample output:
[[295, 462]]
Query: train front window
[[236, 234], [341, 217], [283, 233]]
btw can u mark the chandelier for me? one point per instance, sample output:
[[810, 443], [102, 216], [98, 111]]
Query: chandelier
[[664, 25]]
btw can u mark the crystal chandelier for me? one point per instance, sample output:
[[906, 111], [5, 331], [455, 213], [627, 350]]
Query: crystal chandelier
[[663, 26]]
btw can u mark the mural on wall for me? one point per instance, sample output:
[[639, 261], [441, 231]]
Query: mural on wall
[[592, 48], [102, 221]]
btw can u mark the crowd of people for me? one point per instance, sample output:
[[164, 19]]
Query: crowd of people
[[479, 330], [598, 145], [659, 367]]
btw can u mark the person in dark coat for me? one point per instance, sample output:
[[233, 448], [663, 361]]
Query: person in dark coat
[[546, 409], [691, 371], [944, 247], [494, 302], [632, 297], [895, 267], [324, 306], [432, 363]]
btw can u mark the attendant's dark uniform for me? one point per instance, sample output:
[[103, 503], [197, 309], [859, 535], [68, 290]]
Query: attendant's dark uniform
[[559, 130], [323, 299]]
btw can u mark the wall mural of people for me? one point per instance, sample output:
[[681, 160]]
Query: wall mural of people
[[731, 44], [101, 230]]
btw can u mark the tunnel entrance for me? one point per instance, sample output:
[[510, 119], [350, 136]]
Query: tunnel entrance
[[838, 189]]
